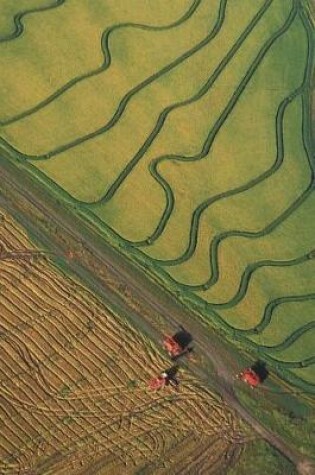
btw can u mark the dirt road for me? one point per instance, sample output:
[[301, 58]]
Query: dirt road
[[123, 285]]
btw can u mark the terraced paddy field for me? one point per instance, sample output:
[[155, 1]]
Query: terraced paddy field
[[181, 130], [73, 384]]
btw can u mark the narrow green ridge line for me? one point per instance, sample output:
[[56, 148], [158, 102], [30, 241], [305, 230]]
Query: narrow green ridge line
[[294, 364], [308, 139], [251, 269], [107, 59], [290, 339], [197, 214], [203, 90], [19, 26], [125, 100], [213, 248], [270, 308], [219, 238], [196, 217], [304, 88], [309, 149]]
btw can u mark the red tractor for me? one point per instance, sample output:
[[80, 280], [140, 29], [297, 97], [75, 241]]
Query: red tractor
[[255, 375], [167, 378], [178, 344], [249, 377]]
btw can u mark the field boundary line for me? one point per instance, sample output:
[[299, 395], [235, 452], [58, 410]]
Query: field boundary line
[[19, 25], [106, 61]]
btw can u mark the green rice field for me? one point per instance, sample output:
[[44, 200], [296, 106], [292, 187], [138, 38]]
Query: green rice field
[[181, 131]]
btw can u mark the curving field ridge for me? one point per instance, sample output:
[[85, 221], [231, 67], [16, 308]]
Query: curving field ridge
[[182, 132], [73, 379]]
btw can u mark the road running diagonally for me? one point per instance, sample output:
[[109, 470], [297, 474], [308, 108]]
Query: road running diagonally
[[18, 194]]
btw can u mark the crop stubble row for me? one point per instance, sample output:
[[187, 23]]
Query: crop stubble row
[[67, 372]]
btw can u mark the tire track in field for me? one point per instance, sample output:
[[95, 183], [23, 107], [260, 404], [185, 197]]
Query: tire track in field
[[19, 26], [75, 341], [53, 357], [160, 401], [125, 100], [196, 459], [67, 398], [200, 407], [205, 465], [107, 60], [197, 214]]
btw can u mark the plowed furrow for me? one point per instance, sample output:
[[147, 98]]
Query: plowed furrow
[[131, 349]]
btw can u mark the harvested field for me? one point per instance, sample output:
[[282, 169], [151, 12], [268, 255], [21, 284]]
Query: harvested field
[[73, 383], [181, 131]]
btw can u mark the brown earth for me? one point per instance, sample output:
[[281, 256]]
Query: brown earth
[[73, 383]]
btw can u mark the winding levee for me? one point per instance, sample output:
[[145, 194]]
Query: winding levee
[[272, 305], [197, 214], [216, 242], [125, 100], [19, 25], [163, 116], [291, 339], [106, 62], [247, 275]]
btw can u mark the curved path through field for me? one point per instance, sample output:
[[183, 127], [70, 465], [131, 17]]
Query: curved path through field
[[107, 60], [19, 195], [18, 17]]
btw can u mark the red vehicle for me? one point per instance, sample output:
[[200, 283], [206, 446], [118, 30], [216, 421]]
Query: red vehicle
[[255, 375], [250, 377], [178, 344], [157, 383], [167, 378]]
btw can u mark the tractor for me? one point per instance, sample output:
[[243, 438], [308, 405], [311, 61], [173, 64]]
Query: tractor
[[178, 344], [166, 378], [255, 375]]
